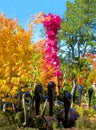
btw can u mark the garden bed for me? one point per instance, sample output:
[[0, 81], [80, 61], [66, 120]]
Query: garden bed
[[83, 123]]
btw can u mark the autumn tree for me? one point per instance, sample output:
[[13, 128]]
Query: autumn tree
[[15, 56], [22, 62]]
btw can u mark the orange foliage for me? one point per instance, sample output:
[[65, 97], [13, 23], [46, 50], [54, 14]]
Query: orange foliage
[[21, 62], [92, 73], [38, 18], [15, 55], [42, 69]]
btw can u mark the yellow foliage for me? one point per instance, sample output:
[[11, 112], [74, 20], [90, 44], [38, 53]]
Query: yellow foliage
[[26, 89], [79, 109], [14, 90], [11, 100], [5, 89], [1, 96], [15, 55], [24, 78], [15, 80], [20, 60]]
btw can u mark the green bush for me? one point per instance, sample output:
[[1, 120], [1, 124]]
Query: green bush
[[87, 120]]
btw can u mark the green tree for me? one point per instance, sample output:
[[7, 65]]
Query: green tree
[[78, 28], [78, 33]]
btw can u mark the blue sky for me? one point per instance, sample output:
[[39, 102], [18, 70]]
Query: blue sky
[[23, 9]]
